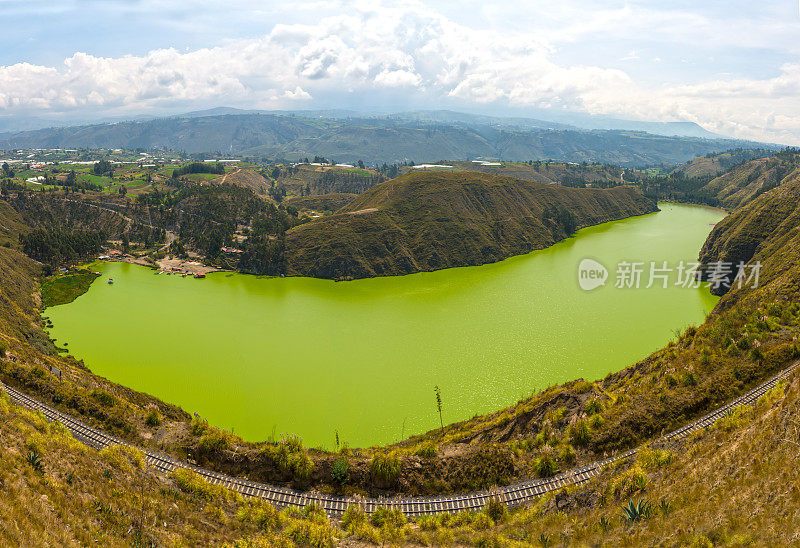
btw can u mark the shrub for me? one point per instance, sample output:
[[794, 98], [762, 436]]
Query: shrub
[[653, 458], [772, 395], [567, 455], [579, 433], [382, 516], [340, 472], [213, 440], [482, 521], [3, 349], [265, 516], [354, 515], [689, 379], [734, 418], [496, 510], [756, 354], [596, 421], [103, 397], [546, 466], [123, 457], [593, 406], [316, 535], [193, 483], [154, 418], [631, 481], [289, 456], [385, 467], [555, 415], [301, 466], [544, 436], [427, 450], [198, 426], [293, 443]]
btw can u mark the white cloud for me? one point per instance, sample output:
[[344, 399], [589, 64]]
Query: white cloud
[[369, 48], [297, 93], [398, 79]]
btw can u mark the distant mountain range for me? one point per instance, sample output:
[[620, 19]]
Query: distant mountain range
[[409, 136]]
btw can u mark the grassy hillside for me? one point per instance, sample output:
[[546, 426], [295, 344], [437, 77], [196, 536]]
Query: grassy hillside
[[246, 178], [714, 165], [747, 181], [322, 203], [568, 174], [708, 490], [433, 220]]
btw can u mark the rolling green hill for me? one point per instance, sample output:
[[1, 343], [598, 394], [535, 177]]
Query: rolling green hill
[[433, 220]]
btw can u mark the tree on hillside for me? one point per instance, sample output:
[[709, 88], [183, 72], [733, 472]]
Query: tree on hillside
[[103, 167]]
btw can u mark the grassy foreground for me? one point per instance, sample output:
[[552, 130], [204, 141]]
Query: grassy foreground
[[735, 484]]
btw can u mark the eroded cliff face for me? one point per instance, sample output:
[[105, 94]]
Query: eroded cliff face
[[429, 221]]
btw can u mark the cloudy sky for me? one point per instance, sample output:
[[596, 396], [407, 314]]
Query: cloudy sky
[[731, 66]]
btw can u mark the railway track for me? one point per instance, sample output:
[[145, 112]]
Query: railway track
[[512, 495]]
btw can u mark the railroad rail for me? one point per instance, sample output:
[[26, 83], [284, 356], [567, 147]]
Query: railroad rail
[[514, 495]]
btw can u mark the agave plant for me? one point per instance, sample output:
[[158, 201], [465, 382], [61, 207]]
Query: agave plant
[[665, 506], [636, 511], [605, 524], [35, 461], [544, 540]]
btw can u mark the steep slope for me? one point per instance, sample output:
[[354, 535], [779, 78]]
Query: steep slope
[[765, 230], [433, 220], [745, 182], [245, 178]]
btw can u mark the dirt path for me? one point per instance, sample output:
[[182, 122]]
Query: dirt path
[[226, 175]]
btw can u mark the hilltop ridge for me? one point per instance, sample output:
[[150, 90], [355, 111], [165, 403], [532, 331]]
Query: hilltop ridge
[[426, 221]]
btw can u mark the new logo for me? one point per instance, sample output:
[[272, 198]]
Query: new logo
[[591, 274]]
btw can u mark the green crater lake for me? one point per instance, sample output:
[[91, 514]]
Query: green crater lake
[[271, 356]]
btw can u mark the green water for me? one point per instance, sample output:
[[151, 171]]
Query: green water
[[306, 356]]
